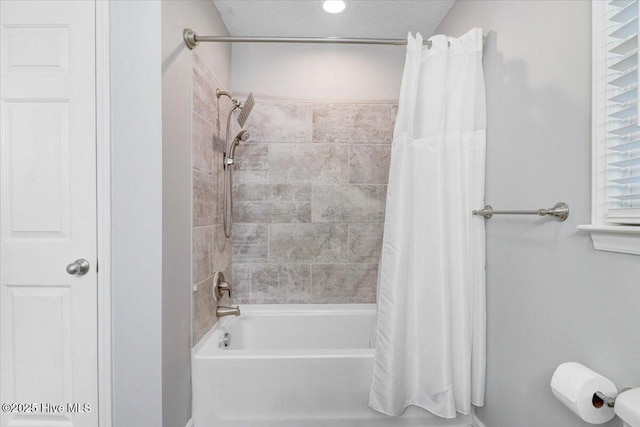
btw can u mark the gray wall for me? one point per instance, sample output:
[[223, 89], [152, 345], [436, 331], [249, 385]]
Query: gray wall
[[321, 73], [136, 216], [551, 297], [310, 189], [202, 16]]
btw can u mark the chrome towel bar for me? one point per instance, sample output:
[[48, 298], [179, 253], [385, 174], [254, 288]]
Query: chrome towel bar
[[559, 212]]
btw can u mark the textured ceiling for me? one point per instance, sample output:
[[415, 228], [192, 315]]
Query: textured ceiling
[[306, 18]]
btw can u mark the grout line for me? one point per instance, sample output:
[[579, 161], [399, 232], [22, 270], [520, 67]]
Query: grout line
[[348, 242], [311, 204], [268, 244], [204, 172], [202, 281], [203, 226], [268, 164], [250, 283], [204, 119], [348, 163]]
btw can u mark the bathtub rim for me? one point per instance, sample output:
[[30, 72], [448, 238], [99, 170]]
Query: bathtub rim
[[279, 310], [306, 309]]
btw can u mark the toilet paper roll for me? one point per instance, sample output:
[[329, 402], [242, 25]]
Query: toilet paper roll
[[575, 384]]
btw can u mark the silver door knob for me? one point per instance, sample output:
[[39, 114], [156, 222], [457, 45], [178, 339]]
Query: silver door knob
[[78, 267]]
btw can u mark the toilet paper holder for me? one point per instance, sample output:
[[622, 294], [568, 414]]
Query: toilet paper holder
[[600, 399]]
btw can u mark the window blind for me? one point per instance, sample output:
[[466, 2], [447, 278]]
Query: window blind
[[623, 126]]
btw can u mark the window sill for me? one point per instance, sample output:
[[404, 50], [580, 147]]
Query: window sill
[[623, 239]]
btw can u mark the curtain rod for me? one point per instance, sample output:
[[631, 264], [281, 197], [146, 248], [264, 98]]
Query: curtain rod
[[191, 39]]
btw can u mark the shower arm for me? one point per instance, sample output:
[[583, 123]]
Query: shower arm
[[235, 101]]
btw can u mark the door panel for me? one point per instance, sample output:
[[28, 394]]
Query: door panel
[[37, 203], [48, 320]]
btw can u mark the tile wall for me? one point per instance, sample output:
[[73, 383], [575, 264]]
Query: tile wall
[[211, 251], [310, 188]]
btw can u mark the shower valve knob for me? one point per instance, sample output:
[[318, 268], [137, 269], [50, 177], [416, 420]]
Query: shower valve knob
[[220, 286]]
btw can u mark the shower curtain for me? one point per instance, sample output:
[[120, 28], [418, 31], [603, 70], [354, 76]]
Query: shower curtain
[[430, 339]]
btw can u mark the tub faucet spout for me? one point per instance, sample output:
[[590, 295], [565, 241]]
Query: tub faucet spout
[[222, 311]]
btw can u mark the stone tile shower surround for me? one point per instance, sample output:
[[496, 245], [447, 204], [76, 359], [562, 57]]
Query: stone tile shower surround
[[309, 200], [211, 251]]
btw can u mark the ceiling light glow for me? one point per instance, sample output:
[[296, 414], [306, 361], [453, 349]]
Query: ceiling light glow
[[334, 6]]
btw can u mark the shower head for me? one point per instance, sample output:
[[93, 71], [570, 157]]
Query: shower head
[[246, 110], [243, 135]]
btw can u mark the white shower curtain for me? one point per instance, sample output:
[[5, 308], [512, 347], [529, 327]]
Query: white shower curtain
[[430, 340]]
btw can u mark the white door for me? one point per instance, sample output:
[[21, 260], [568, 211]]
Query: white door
[[48, 321]]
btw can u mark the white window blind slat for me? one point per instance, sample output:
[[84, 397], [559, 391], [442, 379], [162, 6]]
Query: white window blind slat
[[626, 163], [620, 3], [625, 47], [628, 95], [626, 31], [628, 78], [624, 216], [628, 180], [624, 14], [627, 112], [627, 197], [626, 146], [624, 129], [622, 126], [626, 63]]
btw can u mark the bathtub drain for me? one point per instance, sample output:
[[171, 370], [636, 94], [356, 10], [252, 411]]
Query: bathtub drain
[[225, 341]]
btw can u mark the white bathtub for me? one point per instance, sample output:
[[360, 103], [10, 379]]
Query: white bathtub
[[293, 366]]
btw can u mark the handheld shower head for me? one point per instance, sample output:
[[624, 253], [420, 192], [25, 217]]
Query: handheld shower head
[[243, 135]]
